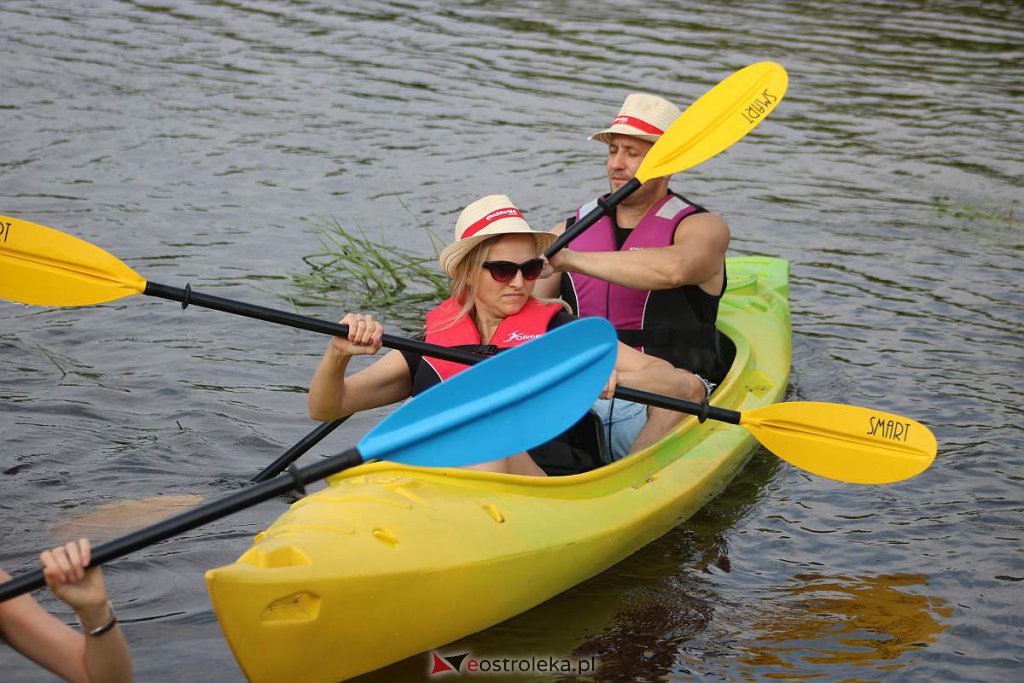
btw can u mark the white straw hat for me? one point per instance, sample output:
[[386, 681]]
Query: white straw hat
[[492, 215], [642, 116]]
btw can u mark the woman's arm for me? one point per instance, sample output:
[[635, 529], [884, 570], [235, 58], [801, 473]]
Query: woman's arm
[[42, 637], [54, 645], [332, 395], [106, 653]]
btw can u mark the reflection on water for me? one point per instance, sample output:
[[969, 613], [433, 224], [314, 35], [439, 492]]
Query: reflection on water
[[824, 623], [669, 593]]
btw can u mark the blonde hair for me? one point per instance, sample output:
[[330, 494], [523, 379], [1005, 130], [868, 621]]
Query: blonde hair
[[464, 272]]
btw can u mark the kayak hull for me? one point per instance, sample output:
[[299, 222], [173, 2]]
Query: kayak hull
[[391, 560]]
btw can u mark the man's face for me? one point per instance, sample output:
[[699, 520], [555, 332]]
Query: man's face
[[625, 154]]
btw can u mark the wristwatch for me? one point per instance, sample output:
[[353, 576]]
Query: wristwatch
[[708, 386]]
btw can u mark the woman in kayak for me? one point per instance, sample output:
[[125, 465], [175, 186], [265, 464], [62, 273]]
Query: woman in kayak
[[494, 264], [100, 652]]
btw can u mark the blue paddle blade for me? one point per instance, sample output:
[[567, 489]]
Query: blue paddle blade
[[516, 400]]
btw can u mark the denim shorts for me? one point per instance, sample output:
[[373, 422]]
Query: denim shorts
[[626, 420]]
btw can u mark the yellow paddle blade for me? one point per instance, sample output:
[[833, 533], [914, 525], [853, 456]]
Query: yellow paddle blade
[[718, 119], [847, 443], [116, 519], [46, 267]]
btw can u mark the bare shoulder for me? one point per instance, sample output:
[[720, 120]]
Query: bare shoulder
[[558, 229], [707, 228]]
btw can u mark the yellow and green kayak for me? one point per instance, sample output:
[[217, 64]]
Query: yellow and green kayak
[[377, 566]]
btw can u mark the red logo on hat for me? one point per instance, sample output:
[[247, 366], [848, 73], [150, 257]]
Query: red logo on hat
[[638, 124], [496, 215]]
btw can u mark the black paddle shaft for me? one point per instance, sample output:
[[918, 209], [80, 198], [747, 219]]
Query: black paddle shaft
[[603, 208], [296, 478], [295, 452], [702, 410], [187, 296]]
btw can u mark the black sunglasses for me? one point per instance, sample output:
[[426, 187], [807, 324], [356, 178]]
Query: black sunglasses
[[505, 271]]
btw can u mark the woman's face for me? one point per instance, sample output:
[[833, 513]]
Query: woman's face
[[502, 299]]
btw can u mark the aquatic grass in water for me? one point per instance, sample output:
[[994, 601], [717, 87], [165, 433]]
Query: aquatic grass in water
[[354, 272], [948, 207]]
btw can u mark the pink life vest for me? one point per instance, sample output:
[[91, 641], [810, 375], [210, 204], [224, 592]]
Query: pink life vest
[[675, 324]]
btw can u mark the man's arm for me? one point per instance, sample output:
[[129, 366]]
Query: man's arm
[[696, 257]]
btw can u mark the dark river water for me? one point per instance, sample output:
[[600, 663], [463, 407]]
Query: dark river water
[[200, 141]]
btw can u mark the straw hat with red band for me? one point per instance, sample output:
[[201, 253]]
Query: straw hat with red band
[[643, 116], [492, 215]]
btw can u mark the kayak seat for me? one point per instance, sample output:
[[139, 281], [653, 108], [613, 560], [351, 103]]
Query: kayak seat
[[581, 448]]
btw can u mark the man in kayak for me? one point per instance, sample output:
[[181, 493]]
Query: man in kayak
[[493, 264], [100, 652], [655, 268]]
